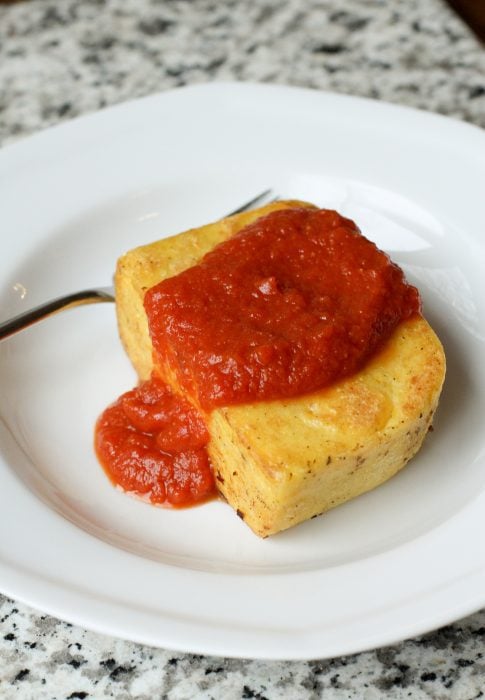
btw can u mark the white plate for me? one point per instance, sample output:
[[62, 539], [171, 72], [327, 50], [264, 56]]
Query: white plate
[[391, 564]]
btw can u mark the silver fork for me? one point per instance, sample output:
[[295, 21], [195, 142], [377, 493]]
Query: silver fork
[[90, 296]]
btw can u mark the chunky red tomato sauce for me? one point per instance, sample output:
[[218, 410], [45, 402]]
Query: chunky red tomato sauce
[[152, 443], [292, 303]]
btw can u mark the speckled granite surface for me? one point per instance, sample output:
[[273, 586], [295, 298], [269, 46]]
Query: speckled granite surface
[[61, 59], [44, 658], [65, 58]]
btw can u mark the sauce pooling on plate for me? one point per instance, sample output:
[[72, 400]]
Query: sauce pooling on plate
[[289, 305], [151, 442]]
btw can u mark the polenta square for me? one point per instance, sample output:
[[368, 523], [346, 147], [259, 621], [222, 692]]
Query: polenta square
[[279, 462]]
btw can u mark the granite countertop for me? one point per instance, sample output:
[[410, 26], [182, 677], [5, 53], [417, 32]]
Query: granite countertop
[[66, 58]]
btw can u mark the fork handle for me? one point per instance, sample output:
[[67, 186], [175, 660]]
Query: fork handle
[[87, 296]]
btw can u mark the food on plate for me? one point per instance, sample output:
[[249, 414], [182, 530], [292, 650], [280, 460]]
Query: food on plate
[[283, 361]]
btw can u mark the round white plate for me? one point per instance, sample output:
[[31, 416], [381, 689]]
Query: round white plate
[[396, 562]]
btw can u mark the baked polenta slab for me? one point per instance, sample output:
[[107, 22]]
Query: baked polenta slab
[[281, 462]]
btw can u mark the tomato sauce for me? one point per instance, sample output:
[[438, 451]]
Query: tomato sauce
[[152, 443], [292, 303]]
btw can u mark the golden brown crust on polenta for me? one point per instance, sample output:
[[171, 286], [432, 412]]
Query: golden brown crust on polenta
[[299, 458], [279, 463]]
